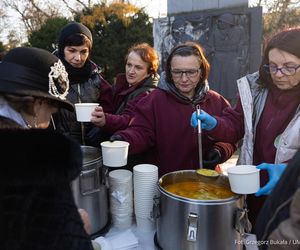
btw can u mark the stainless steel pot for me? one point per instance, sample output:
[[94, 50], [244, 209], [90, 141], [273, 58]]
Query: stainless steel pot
[[190, 224], [90, 190]]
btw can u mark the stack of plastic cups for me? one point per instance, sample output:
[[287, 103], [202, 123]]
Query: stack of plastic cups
[[121, 198], [145, 177]]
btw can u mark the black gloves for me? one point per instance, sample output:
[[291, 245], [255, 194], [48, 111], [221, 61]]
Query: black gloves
[[212, 159], [116, 138]]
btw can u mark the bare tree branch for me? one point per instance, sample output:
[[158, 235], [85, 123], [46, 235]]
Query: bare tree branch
[[38, 8], [82, 3], [72, 10]]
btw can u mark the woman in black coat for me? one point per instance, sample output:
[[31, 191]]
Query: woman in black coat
[[37, 209]]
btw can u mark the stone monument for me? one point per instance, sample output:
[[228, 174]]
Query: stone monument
[[231, 38]]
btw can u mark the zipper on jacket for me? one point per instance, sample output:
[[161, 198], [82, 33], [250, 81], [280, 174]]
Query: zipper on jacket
[[81, 123]]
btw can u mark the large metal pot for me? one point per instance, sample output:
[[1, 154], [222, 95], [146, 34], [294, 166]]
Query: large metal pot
[[189, 224], [89, 189]]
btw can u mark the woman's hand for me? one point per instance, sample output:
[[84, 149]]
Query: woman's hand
[[208, 122], [275, 171], [98, 117], [86, 220]]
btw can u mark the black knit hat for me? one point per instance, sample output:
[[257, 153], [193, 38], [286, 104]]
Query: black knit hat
[[71, 29], [34, 72]]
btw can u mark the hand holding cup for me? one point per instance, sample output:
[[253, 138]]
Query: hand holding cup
[[98, 117]]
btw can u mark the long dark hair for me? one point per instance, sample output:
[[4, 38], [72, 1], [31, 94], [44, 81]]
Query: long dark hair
[[287, 40], [189, 49]]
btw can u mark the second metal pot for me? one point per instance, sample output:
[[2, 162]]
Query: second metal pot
[[89, 189]]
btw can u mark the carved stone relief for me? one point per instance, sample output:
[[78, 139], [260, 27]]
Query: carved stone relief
[[225, 36]]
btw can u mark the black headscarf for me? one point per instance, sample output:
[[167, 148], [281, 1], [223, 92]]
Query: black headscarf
[[71, 29], [76, 75]]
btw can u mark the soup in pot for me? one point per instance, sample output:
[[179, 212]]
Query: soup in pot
[[199, 190]]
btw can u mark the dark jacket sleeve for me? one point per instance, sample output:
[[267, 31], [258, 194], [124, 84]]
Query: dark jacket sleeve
[[121, 121], [216, 107], [288, 230], [142, 130], [281, 205], [226, 150], [106, 96]]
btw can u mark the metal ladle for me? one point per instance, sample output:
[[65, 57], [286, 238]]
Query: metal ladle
[[202, 171], [198, 111]]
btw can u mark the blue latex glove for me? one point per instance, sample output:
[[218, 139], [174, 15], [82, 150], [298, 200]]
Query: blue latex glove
[[275, 171], [208, 122]]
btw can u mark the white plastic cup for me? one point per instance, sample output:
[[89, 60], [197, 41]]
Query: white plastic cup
[[114, 154], [121, 192], [145, 169], [121, 175], [122, 221], [104, 243], [84, 111], [244, 179], [145, 224]]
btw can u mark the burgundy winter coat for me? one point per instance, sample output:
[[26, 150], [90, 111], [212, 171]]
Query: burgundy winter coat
[[124, 101], [162, 125]]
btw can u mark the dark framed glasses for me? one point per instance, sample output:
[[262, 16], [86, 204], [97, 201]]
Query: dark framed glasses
[[191, 73], [285, 70]]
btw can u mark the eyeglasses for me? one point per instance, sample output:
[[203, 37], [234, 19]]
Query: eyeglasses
[[285, 70], [191, 73]]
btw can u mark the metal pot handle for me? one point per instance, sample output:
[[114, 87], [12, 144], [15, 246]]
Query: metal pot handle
[[85, 174], [242, 224], [192, 226], [155, 213], [104, 175]]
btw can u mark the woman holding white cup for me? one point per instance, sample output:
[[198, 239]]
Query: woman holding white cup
[[266, 116]]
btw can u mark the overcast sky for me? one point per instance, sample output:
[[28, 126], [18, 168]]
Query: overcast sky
[[154, 8], [158, 8]]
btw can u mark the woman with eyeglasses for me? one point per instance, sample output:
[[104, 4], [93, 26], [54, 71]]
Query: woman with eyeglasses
[[161, 120], [267, 114]]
